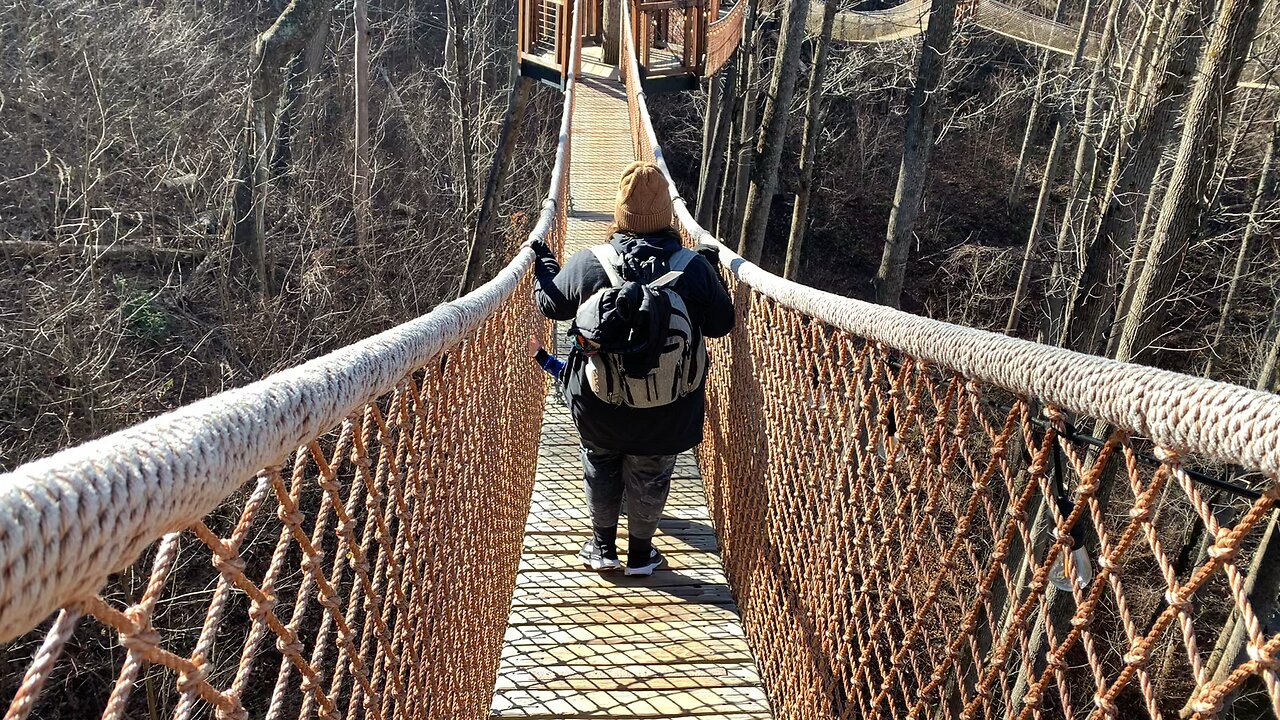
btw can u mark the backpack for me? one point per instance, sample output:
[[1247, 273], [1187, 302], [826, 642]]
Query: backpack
[[672, 362]]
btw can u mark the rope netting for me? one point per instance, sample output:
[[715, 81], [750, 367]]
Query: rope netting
[[914, 527], [723, 36], [339, 540]]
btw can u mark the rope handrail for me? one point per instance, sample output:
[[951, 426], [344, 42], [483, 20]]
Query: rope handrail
[[381, 435]]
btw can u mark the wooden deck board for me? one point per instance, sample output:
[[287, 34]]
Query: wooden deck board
[[580, 644]]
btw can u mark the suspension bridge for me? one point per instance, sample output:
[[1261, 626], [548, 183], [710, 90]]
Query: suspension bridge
[[890, 517]]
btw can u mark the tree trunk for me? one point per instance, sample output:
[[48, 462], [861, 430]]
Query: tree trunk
[[303, 124], [1268, 378], [362, 170], [612, 20], [292, 96], [405, 116], [1184, 205], [773, 125], [272, 50], [461, 95], [482, 239], [1067, 257], [1047, 181], [1244, 125], [746, 131], [921, 112], [714, 94], [809, 143], [716, 145], [1033, 113], [724, 208], [1133, 173], [1262, 202]]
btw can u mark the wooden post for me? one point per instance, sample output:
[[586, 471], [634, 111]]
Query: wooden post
[[645, 39], [522, 29], [562, 41]]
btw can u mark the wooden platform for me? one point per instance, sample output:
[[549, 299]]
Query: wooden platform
[[582, 644]]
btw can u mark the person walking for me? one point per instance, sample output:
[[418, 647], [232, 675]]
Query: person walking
[[641, 305]]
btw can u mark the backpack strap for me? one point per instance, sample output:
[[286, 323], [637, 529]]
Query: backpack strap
[[611, 261], [676, 265], [680, 259]]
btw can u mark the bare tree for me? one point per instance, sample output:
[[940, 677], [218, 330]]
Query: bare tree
[[362, 169], [773, 130], [1181, 212], [1033, 113], [460, 93], [482, 238], [809, 142], [1047, 179], [1268, 377], [748, 94], [1268, 183], [715, 143], [1132, 176], [272, 51], [916, 147], [1066, 256]]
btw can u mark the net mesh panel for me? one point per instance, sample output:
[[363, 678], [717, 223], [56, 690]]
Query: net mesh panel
[[723, 36], [368, 576], [894, 532]]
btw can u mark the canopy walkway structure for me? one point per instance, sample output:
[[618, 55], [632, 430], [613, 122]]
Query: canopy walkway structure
[[897, 518], [909, 19]]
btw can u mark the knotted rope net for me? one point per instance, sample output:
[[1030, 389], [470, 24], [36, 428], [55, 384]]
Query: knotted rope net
[[339, 540], [917, 523], [723, 36]]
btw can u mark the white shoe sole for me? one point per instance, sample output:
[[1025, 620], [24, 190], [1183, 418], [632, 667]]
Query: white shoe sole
[[643, 571], [601, 565]]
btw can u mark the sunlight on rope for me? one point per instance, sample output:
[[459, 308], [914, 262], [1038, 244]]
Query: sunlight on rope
[[911, 532], [364, 568]]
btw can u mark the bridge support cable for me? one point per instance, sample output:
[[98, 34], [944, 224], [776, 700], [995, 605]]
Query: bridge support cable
[[348, 530], [872, 476]]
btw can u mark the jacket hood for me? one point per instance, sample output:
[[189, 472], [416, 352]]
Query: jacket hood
[[641, 253]]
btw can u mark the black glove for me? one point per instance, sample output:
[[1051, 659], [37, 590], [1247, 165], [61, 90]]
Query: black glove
[[710, 252], [541, 249]]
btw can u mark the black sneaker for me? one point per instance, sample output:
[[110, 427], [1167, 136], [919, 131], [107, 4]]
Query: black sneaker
[[655, 561], [605, 560]]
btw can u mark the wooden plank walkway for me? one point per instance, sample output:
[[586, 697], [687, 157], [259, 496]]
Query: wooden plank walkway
[[582, 644]]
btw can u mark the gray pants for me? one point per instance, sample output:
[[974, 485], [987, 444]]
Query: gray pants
[[646, 478]]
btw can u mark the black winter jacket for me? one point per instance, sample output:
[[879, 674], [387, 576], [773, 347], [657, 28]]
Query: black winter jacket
[[665, 430]]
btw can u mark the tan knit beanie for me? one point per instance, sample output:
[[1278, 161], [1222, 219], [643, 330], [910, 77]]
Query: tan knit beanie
[[644, 202]]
